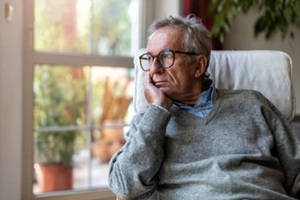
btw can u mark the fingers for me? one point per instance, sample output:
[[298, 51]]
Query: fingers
[[150, 91], [149, 79], [154, 95]]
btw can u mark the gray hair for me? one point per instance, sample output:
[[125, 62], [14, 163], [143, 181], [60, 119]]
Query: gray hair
[[196, 36]]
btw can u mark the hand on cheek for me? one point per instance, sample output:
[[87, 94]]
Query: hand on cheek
[[154, 95]]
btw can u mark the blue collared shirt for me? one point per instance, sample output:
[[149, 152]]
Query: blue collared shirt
[[203, 105]]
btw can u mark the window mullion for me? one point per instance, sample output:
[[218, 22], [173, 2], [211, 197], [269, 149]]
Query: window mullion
[[77, 195], [81, 60]]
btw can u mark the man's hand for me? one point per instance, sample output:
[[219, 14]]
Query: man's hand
[[154, 95]]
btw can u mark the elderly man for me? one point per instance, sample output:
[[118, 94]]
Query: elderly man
[[194, 141]]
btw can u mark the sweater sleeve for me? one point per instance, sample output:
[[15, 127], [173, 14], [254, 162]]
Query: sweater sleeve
[[287, 146], [133, 169]]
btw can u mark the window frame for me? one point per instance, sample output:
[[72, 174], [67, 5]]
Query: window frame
[[31, 58], [149, 10]]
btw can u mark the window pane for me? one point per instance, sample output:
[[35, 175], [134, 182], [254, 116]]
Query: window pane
[[60, 106], [80, 117], [103, 27], [112, 94], [59, 96]]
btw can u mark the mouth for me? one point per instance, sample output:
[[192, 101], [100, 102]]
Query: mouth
[[159, 83]]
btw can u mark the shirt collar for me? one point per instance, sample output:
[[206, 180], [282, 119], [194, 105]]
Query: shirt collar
[[206, 98]]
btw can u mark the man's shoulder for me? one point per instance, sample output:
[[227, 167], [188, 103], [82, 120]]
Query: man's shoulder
[[250, 96], [240, 92]]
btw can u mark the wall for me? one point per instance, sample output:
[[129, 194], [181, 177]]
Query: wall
[[10, 102], [166, 8], [241, 37], [158, 9]]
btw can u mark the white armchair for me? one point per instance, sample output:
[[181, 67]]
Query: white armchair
[[269, 72]]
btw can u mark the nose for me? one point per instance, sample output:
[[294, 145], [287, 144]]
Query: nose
[[155, 67]]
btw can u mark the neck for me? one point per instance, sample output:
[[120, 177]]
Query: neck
[[192, 96]]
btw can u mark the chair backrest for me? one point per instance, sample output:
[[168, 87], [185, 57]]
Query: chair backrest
[[269, 72]]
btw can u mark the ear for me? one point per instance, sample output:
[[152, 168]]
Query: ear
[[201, 65]]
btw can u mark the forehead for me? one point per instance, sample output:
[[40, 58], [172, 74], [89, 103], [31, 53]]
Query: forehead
[[166, 38]]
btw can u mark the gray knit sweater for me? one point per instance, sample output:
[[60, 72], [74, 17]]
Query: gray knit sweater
[[244, 149]]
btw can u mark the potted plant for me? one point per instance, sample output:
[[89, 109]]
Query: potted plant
[[59, 101]]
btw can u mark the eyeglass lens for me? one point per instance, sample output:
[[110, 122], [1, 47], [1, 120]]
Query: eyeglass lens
[[165, 59]]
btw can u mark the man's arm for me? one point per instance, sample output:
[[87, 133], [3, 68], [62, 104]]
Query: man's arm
[[133, 169], [287, 146], [288, 150]]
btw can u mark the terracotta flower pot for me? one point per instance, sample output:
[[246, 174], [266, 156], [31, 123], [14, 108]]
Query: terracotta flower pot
[[53, 177]]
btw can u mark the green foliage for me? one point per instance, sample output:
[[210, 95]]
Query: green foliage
[[54, 29], [59, 100], [274, 15], [59, 95], [111, 26], [55, 148], [100, 27]]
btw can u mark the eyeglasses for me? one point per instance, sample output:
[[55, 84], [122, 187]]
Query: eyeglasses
[[165, 58]]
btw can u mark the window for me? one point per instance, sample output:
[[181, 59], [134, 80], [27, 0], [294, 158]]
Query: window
[[82, 89], [107, 28], [66, 45]]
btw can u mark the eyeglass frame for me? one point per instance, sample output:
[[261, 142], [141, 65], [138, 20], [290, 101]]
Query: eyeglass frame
[[166, 50]]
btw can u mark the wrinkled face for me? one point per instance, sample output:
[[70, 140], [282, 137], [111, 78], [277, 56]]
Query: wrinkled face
[[180, 82]]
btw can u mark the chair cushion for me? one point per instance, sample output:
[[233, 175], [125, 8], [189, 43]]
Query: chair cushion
[[269, 72]]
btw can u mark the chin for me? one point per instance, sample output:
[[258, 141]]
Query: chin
[[167, 92], [164, 90]]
